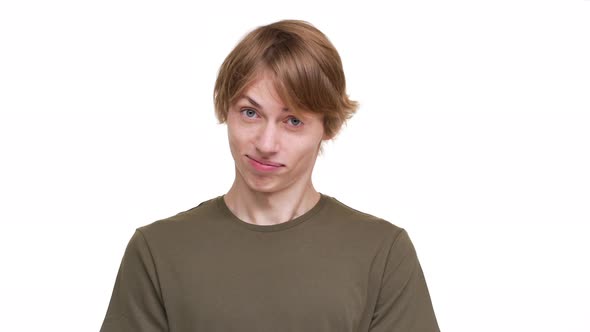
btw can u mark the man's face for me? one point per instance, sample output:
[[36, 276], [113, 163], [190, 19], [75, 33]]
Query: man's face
[[273, 147]]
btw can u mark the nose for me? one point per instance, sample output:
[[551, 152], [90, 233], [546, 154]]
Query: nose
[[267, 139]]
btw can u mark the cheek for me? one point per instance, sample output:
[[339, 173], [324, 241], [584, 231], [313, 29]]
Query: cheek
[[304, 153], [236, 134], [235, 144], [240, 127]]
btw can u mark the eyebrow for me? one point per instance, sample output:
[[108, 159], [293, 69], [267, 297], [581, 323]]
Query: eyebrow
[[256, 104]]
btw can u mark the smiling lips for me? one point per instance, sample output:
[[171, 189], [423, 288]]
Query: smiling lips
[[264, 166]]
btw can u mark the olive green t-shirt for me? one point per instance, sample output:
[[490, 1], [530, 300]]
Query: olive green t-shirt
[[332, 269]]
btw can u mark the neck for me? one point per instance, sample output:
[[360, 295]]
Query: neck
[[270, 208]]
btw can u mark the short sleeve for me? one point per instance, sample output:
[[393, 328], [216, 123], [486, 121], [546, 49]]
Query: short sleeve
[[404, 302], [136, 302]]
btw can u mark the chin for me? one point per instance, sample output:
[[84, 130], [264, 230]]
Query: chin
[[267, 187]]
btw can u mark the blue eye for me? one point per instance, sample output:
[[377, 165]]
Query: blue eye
[[250, 113], [295, 122]]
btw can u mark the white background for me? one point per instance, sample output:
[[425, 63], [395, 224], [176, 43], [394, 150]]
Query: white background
[[473, 134]]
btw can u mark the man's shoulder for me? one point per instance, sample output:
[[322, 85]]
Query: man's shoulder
[[359, 219], [201, 215]]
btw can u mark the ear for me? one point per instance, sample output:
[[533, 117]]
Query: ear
[[335, 132], [327, 137]]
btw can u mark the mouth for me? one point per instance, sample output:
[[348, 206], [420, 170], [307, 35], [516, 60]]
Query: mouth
[[265, 163]]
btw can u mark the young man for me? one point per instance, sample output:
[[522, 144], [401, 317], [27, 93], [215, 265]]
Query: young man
[[273, 254]]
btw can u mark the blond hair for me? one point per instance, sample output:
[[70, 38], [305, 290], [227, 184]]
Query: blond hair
[[307, 72]]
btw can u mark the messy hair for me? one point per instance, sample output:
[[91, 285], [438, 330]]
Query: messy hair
[[306, 68]]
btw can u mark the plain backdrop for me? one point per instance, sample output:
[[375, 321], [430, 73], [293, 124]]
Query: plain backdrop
[[473, 134]]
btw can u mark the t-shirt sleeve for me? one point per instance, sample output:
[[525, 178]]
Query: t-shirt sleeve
[[136, 302], [404, 302]]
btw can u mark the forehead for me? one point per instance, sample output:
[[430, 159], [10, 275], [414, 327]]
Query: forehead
[[263, 92], [266, 90]]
